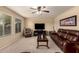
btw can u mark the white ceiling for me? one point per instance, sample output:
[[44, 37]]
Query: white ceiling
[[27, 12]]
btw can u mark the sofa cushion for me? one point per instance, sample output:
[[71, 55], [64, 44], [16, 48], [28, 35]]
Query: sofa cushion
[[63, 35], [72, 37], [68, 37], [59, 33]]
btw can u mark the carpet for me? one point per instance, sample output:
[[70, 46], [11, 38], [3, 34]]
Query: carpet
[[28, 45]]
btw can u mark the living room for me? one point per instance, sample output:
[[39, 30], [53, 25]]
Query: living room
[[15, 39]]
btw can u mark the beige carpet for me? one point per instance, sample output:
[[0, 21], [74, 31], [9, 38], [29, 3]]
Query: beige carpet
[[29, 45]]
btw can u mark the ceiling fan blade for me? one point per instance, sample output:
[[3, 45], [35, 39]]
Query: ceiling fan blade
[[34, 12], [39, 8], [33, 8], [45, 11], [44, 6]]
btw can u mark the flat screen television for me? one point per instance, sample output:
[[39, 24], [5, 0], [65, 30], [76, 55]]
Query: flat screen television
[[39, 26]]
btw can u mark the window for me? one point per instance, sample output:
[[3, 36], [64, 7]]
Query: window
[[1, 30], [18, 25], [5, 24]]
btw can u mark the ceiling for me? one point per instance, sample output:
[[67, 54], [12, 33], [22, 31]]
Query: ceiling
[[25, 11]]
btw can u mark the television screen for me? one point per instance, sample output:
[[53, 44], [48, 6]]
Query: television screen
[[39, 26]]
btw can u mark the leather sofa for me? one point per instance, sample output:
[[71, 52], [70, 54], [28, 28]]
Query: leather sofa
[[65, 39]]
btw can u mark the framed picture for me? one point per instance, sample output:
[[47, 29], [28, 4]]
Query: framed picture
[[70, 21]]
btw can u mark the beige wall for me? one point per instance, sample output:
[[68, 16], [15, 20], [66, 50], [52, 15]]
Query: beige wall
[[29, 23], [70, 12], [48, 23], [9, 39]]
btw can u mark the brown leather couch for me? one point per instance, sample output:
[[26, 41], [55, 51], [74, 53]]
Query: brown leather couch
[[66, 39]]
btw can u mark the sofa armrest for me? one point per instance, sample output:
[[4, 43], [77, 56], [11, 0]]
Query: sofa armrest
[[68, 47], [75, 42], [52, 33]]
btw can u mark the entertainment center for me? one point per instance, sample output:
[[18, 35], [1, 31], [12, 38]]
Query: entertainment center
[[39, 29]]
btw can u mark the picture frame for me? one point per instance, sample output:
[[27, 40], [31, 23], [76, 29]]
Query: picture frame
[[69, 21]]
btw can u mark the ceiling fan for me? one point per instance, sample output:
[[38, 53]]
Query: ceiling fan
[[39, 9]]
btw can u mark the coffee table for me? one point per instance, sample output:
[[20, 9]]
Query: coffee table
[[39, 40]]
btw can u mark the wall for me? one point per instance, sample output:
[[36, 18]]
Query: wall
[[70, 12], [9, 39], [48, 23]]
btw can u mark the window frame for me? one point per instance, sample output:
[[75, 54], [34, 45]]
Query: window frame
[[3, 25], [18, 23]]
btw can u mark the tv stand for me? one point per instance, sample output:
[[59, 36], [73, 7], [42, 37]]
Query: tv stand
[[37, 32]]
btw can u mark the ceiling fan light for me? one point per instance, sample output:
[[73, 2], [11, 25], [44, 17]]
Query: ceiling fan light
[[39, 12]]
